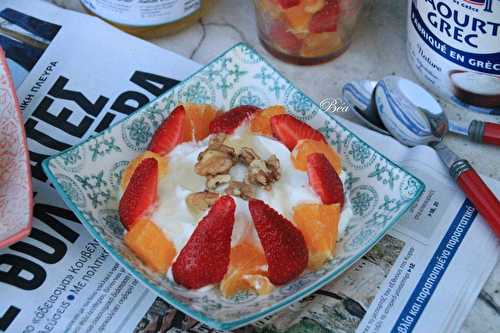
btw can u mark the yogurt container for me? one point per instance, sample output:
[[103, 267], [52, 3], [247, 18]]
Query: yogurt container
[[454, 49]]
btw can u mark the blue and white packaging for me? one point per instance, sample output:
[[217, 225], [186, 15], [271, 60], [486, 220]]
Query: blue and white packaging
[[454, 49]]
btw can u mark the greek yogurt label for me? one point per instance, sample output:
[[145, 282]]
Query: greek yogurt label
[[142, 13], [454, 48]]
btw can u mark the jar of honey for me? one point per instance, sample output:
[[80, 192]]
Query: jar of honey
[[306, 32], [148, 18]]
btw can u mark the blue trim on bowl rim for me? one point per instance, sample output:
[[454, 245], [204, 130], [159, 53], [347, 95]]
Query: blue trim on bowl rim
[[229, 325]]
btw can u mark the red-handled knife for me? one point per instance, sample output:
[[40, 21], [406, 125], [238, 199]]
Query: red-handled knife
[[473, 186]]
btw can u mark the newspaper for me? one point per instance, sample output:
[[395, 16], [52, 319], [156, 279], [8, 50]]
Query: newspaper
[[75, 76]]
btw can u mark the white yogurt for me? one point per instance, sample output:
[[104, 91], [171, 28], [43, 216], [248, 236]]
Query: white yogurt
[[456, 44], [477, 83], [177, 221]]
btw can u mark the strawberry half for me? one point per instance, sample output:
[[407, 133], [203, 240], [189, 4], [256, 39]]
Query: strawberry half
[[290, 130], [140, 194], [228, 122], [285, 4], [205, 258], [326, 19], [170, 133], [284, 245], [324, 179]]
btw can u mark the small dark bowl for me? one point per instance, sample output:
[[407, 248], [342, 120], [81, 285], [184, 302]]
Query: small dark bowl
[[485, 101]]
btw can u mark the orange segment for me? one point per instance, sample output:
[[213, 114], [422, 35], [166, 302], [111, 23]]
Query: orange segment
[[129, 171], [306, 147], [321, 44], [319, 225], [261, 122], [298, 18], [246, 271], [198, 118], [259, 283], [149, 243], [313, 6]]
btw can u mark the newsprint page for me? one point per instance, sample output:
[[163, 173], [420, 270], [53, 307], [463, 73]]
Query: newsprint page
[[75, 76]]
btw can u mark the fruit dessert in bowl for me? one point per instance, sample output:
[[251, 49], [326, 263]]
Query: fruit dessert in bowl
[[306, 31], [95, 176], [242, 200]]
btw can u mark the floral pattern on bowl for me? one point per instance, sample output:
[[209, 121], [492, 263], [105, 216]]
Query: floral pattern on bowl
[[87, 176], [16, 200]]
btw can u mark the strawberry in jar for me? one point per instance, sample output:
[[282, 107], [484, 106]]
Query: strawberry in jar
[[306, 31]]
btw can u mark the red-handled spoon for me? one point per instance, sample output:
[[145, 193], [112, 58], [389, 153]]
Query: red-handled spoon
[[359, 94], [416, 119]]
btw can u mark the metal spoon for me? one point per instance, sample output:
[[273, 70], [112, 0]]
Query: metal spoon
[[359, 95], [414, 119]]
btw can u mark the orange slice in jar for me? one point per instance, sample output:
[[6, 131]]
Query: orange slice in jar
[[297, 18], [313, 6], [321, 44]]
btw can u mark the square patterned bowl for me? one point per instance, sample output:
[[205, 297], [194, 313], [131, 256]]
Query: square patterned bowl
[[87, 177]]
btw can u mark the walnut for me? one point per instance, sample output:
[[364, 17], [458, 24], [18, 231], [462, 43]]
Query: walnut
[[217, 140], [247, 155], [264, 173], [215, 181], [240, 189], [274, 166], [201, 201], [229, 151], [213, 162]]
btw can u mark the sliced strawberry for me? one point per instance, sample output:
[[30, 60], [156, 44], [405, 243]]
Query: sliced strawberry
[[285, 4], [324, 179], [140, 194], [170, 132], [284, 245], [290, 130], [326, 19], [281, 36], [228, 122], [205, 258]]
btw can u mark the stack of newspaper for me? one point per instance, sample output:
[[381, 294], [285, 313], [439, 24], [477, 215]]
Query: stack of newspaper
[[75, 76]]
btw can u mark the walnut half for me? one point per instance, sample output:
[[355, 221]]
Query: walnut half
[[240, 189], [264, 173], [201, 201], [247, 155], [217, 159], [213, 162], [213, 182]]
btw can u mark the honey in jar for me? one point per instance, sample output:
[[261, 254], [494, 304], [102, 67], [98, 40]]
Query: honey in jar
[[148, 18]]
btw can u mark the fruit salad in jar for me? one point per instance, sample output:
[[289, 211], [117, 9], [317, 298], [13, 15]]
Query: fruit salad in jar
[[306, 31]]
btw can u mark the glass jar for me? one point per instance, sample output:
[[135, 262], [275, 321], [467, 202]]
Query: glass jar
[[148, 18], [306, 32]]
